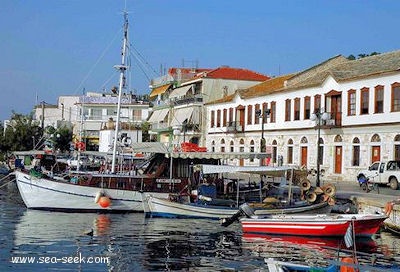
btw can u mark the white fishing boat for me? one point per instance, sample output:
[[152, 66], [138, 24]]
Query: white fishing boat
[[157, 207]]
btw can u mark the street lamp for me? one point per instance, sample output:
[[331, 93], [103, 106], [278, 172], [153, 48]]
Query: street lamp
[[317, 116], [262, 114]]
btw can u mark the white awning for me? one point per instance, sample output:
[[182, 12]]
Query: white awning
[[158, 115], [213, 169], [181, 115], [178, 92]]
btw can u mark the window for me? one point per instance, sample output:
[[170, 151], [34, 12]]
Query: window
[[137, 115], [213, 146], [290, 151], [356, 152], [212, 124], [351, 104], [317, 103], [364, 100], [252, 150], [288, 106], [222, 145], [230, 115], [321, 151], [273, 112], [224, 118], [296, 109], [241, 145], [379, 99], [249, 114], [397, 148], [218, 118], [257, 119], [232, 146], [396, 96], [307, 107], [274, 151], [265, 108]]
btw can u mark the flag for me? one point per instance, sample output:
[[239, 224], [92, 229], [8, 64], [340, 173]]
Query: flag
[[348, 237]]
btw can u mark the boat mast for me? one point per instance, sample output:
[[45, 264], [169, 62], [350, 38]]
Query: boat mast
[[122, 68]]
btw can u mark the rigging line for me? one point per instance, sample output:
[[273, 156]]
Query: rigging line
[[141, 67], [144, 59], [97, 62]]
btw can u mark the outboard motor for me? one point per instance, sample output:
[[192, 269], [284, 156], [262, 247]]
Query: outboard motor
[[244, 210]]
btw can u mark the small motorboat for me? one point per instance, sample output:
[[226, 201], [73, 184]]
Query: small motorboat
[[314, 225]]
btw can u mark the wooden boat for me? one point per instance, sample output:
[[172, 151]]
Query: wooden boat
[[116, 189], [219, 209], [314, 225]]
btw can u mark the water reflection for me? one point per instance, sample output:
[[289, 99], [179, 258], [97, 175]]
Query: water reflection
[[134, 243]]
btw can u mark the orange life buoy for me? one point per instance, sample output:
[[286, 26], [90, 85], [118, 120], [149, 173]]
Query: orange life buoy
[[347, 268]]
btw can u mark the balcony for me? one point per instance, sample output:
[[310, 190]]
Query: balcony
[[197, 99]]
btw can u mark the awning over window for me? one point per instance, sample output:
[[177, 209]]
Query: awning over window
[[178, 92], [159, 90], [158, 115], [181, 115]]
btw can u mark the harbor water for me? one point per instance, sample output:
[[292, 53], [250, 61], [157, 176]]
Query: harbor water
[[53, 241]]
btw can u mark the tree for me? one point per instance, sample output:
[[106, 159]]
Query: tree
[[362, 55]]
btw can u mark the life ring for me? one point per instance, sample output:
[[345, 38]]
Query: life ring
[[329, 190], [388, 208], [331, 201], [305, 185], [311, 197]]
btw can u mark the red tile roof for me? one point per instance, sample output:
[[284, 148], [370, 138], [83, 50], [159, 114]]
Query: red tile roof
[[225, 72]]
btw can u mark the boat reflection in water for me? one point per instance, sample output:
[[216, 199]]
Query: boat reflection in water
[[317, 252], [135, 243]]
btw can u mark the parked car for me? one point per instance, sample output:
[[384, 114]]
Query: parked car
[[382, 173]]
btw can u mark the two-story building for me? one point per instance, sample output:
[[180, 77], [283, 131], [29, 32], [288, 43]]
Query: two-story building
[[353, 105]]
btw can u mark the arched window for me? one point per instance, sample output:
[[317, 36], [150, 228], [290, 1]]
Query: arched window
[[321, 151], [241, 145], [232, 146], [396, 155], [304, 140], [222, 145], [274, 151], [290, 151], [355, 160], [213, 146], [338, 138], [375, 138], [252, 150]]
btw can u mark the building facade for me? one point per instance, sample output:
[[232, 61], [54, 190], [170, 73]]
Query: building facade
[[178, 112], [353, 105]]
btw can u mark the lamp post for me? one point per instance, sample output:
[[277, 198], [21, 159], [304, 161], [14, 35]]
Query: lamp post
[[317, 116], [262, 114]]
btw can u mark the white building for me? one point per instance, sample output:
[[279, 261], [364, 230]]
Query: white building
[[178, 112], [361, 102]]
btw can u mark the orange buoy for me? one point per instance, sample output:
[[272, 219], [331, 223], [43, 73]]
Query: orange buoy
[[104, 202], [347, 265]]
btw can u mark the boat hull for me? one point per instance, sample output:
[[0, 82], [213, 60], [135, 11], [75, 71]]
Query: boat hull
[[157, 207], [47, 194], [313, 225]]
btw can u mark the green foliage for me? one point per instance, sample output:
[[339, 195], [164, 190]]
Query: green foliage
[[360, 56], [21, 133]]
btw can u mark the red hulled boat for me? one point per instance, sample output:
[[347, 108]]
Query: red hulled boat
[[314, 225]]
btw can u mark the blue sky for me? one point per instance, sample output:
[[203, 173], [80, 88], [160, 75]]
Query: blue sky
[[50, 48]]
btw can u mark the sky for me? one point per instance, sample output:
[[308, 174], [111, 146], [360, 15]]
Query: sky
[[67, 47]]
